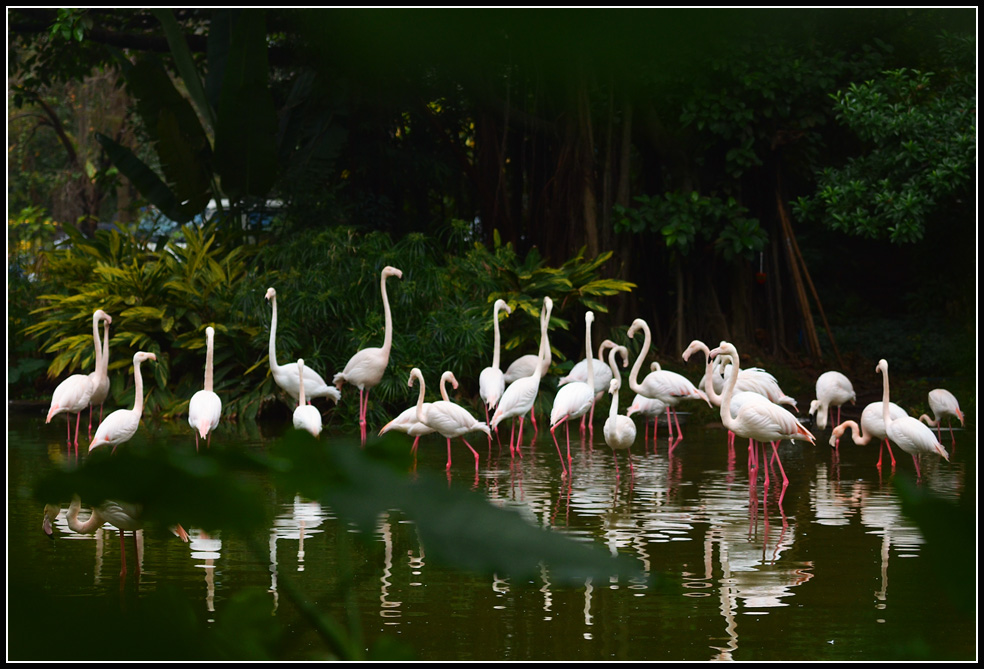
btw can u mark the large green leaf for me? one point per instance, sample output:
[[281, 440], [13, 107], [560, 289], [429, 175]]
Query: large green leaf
[[146, 180]]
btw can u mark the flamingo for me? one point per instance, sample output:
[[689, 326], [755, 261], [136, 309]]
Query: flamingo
[[407, 421], [574, 399], [942, 403], [124, 516], [99, 378], [287, 376], [664, 385], [365, 369], [739, 399], [602, 378], [753, 379], [647, 407], [760, 421], [448, 419], [73, 394], [122, 424], [833, 390], [491, 381], [872, 427], [205, 407], [907, 432], [306, 416], [523, 366], [620, 431], [520, 395]]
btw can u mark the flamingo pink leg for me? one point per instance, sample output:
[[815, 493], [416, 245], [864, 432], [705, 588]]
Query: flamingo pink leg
[[474, 452], [559, 454]]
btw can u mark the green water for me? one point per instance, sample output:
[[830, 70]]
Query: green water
[[837, 572]]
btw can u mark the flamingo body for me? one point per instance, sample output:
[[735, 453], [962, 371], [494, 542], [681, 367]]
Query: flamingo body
[[306, 416], [122, 424], [491, 380], [205, 407], [286, 376], [833, 390]]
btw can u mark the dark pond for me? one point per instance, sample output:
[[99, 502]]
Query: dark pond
[[836, 572]]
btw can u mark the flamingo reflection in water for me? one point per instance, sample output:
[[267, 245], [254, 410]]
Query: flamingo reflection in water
[[298, 521], [121, 515]]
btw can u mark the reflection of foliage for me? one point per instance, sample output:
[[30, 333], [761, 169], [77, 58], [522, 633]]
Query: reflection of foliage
[[920, 149], [220, 489]]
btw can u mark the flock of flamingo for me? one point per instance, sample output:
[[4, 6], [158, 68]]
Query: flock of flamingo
[[751, 403]]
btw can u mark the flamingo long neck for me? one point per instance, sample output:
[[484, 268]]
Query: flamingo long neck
[[388, 336], [495, 347], [420, 395], [886, 414], [616, 383], [587, 346], [95, 340], [634, 374], [709, 372], [208, 361], [273, 335], [857, 433], [544, 352], [90, 525], [104, 359], [138, 397], [729, 391], [300, 383], [445, 377]]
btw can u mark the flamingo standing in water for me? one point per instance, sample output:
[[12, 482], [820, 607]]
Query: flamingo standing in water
[[74, 394], [574, 399], [669, 387], [100, 378], [524, 366], [306, 416], [647, 407], [833, 390], [872, 427], [365, 369], [620, 431], [760, 421], [602, 379], [943, 403], [407, 421], [907, 432], [287, 376], [122, 424], [491, 380], [448, 419], [520, 395], [205, 408]]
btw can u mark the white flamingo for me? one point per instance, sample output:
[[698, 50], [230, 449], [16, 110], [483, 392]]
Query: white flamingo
[[524, 366], [760, 421], [520, 395], [122, 424], [602, 378], [907, 432], [74, 394], [306, 416], [669, 387], [574, 399], [365, 369], [943, 404], [448, 419], [620, 431], [100, 378], [833, 390], [205, 407], [872, 427], [407, 421], [286, 376], [491, 380]]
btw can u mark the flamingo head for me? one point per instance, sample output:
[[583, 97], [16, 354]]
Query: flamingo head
[[613, 386], [271, 293], [449, 376], [392, 271], [100, 315], [415, 373], [637, 325], [882, 366], [502, 305], [695, 345], [50, 513], [725, 348], [141, 356], [942, 451]]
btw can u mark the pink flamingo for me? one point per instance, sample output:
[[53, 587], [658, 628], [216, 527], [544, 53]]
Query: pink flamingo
[[205, 408], [943, 403], [448, 419], [100, 378], [365, 369], [122, 424], [907, 432]]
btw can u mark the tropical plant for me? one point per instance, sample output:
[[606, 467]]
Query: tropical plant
[[160, 300]]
